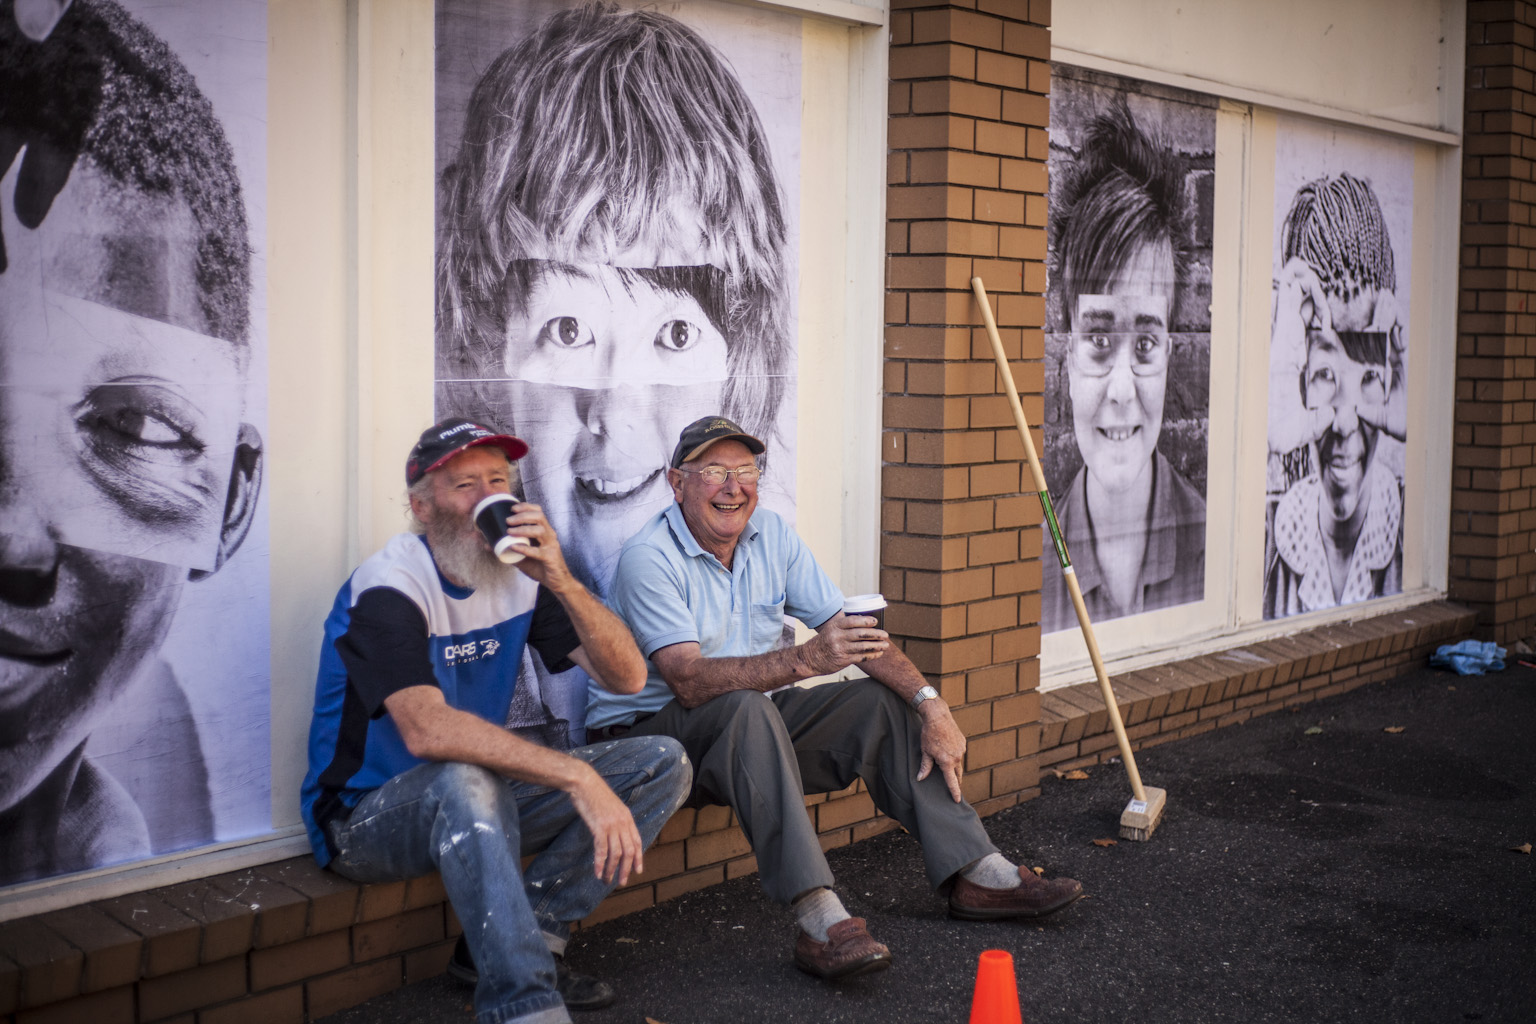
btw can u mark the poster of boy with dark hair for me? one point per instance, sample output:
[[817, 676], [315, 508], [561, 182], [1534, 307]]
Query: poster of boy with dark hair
[[615, 246], [130, 453], [1338, 413], [1128, 343]]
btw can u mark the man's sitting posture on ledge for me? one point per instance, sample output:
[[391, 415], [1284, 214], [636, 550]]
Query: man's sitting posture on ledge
[[410, 770], [704, 586]]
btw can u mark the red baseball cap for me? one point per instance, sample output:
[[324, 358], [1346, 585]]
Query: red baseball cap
[[444, 440]]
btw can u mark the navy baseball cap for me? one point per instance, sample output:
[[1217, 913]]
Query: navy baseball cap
[[702, 433], [444, 440]]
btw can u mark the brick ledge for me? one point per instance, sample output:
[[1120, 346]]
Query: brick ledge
[[1183, 698]]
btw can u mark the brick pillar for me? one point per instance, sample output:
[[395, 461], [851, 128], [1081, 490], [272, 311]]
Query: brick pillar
[[960, 562], [1493, 519]]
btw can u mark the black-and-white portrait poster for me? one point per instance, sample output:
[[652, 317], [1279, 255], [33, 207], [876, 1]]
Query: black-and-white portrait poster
[[134, 637], [1338, 360], [1128, 321], [618, 194]]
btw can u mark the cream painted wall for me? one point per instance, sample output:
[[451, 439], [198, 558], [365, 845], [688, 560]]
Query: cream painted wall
[[351, 367], [844, 71], [1383, 58], [309, 460]]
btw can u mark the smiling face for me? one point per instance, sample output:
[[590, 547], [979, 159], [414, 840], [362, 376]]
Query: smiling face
[[606, 369], [1118, 370], [716, 514]]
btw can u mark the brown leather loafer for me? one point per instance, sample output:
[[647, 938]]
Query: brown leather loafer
[[1035, 897], [849, 950]]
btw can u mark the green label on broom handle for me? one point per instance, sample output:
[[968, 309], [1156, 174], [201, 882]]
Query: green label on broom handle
[[1050, 521]]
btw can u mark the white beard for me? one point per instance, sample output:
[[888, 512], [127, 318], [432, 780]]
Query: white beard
[[463, 556]]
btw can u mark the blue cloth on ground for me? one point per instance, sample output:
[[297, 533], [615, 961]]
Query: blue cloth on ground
[[1470, 657]]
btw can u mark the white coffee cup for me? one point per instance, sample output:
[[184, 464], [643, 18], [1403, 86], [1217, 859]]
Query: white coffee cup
[[872, 605]]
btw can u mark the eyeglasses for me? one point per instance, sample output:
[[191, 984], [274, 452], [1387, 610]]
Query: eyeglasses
[[1094, 354], [715, 475]]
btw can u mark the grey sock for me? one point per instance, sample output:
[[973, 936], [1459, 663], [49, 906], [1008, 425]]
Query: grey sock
[[818, 910], [994, 872]]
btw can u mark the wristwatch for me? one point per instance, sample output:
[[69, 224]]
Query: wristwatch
[[926, 693]]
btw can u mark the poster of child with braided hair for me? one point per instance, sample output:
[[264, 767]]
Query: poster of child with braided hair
[[1127, 369], [618, 197], [1338, 361]]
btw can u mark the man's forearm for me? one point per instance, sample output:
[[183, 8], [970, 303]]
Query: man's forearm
[[836, 645], [701, 679], [433, 731], [896, 671], [606, 641]]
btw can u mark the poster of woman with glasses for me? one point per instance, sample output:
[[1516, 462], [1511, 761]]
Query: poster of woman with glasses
[[1128, 356], [1338, 359]]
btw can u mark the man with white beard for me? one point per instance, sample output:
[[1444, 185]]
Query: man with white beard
[[410, 770]]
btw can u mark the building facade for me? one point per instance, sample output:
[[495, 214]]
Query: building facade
[[1334, 234]]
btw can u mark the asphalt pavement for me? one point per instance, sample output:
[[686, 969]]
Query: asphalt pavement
[[1354, 859]]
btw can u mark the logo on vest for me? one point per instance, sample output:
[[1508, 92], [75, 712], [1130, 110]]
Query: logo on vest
[[472, 650]]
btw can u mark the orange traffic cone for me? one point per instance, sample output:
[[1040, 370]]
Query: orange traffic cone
[[997, 993]]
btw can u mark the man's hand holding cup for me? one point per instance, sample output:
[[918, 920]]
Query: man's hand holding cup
[[491, 517]]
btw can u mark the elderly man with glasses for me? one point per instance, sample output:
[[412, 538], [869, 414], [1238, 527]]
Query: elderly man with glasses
[[705, 586]]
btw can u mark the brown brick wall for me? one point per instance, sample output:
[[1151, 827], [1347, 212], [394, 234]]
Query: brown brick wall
[[960, 543], [1493, 516]]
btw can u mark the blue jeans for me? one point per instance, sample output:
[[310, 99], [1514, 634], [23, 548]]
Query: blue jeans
[[475, 826]]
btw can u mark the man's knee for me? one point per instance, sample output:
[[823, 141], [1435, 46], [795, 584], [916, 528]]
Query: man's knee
[[673, 770], [744, 710], [672, 757], [657, 757], [469, 789]]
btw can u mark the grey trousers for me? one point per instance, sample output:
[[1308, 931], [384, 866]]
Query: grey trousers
[[760, 754]]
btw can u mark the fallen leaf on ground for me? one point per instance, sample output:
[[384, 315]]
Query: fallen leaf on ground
[[1522, 848], [1394, 729], [1316, 730], [1076, 775], [635, 941], [1105, 842], [652, 1020], [1041, 871]]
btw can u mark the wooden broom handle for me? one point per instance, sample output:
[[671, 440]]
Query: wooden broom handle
[[1057, 540]]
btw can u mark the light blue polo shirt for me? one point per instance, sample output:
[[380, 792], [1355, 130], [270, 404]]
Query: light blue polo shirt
[[669, 590]]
